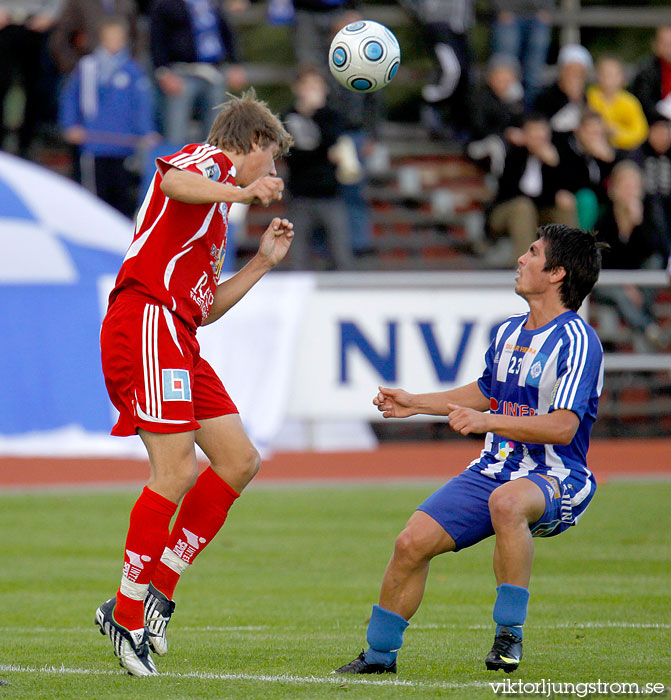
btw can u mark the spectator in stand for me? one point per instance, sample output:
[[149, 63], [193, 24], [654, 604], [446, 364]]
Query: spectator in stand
[[315, 21], [315, 203], [654, 159], [24, 34], [632, 247], [563, 102], [362, 115], [445, 27], [622, 113], [585, 161], [652, 84], [496, 112], [497, 105], [623, 224], [523, 29], [76, 31], [106, 110], [190, 40], [529, 191]]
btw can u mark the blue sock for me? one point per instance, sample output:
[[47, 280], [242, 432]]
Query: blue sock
[[385, 636], [510, 609]]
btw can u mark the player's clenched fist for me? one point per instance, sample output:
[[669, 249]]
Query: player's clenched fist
[[466, 420], [264, 190], [394, 403]]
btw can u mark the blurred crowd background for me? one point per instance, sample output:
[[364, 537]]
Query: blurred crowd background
[[497, 122]]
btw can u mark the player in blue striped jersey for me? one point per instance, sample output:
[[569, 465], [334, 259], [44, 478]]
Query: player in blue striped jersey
[[536, 402]]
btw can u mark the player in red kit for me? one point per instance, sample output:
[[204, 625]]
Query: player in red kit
[[163, 389]]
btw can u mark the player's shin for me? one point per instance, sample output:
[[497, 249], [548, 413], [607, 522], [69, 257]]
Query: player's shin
[[147, 534], [201, 515], [385, 636]]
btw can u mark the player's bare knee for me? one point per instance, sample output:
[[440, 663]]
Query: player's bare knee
[[252, 464], [185, 479], [174, 483], [411, 548], [504, 508], [245, 466]]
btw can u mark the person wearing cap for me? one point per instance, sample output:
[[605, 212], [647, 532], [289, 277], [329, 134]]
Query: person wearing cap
[[562, 103]]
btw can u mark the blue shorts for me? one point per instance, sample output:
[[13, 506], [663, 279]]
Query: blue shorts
[[461, 507]]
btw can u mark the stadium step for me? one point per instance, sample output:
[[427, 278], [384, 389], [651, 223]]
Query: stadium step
[[426, 206]]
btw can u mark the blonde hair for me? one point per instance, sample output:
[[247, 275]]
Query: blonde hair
[[244, 121]]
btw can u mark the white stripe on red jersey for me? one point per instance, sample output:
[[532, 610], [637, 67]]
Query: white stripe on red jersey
[[177, 248], [183, 161]]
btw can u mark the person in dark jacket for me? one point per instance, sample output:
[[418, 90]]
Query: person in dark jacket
[[497, 105], [585, 161], [190, 40], [107, 111], [652, 84], [315, 203], [24, 34], [445, 26], [496, 112], [654, 159], [529, 190], [632, 247]]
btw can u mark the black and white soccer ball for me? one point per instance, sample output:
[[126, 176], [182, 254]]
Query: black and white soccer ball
[[364, 56]]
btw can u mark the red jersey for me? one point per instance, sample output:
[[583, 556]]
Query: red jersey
[[178, 249]]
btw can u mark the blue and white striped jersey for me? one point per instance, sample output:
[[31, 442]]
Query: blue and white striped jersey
[[531, 372]]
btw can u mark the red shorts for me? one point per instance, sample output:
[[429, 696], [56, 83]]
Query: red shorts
[[153, 370]]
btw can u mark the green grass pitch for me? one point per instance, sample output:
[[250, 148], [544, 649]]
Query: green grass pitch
[[283, 595]]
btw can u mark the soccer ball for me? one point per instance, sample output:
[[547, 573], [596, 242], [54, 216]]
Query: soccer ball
[[364, 56]]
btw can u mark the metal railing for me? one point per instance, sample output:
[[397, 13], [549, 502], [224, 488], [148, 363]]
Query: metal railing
[[570, 16]]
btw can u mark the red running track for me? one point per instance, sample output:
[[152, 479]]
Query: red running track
[[390, 462]]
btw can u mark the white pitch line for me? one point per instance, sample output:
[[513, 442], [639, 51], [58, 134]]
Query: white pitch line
[[242, 628], [557, 626], [285, 678], [418, 628], [79, 630]]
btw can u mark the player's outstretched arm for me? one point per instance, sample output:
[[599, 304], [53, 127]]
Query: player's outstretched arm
[[556, 428], [193, 188], [397, 403], [273, 246]]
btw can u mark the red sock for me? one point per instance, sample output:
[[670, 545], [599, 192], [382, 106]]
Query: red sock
[[201, 515], [147, 534]]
